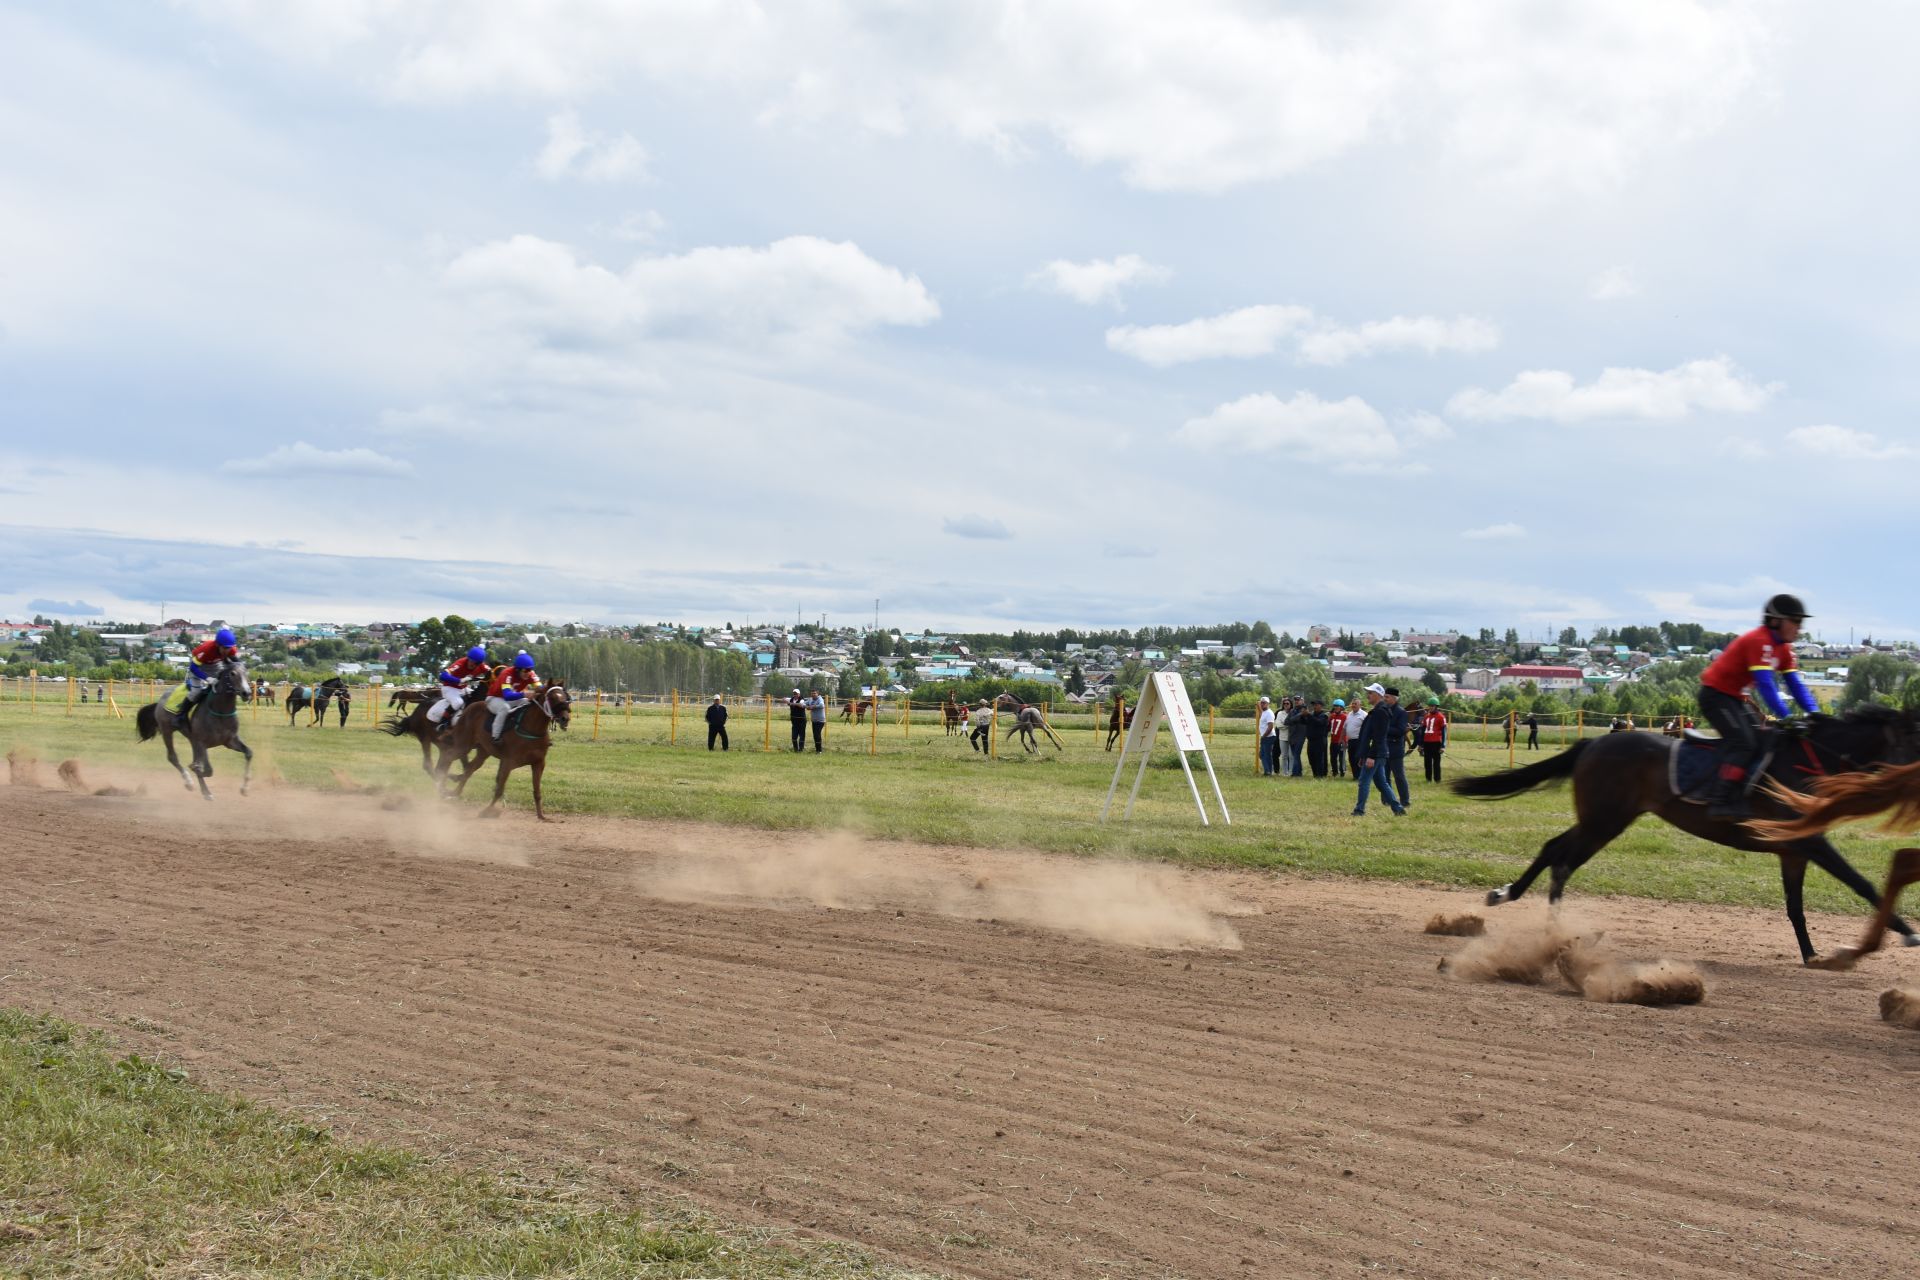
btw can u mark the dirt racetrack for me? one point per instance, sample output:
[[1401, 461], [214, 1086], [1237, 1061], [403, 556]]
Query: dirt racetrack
[[985, 1063]]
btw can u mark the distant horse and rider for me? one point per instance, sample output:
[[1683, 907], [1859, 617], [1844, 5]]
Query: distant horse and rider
[[1806, 765], [1119, 722], [213, 722]]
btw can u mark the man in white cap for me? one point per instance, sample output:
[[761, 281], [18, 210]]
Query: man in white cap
[[1268, 739], [1371, 754]]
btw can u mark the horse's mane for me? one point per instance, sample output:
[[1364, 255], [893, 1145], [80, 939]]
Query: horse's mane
[[1894, 789]]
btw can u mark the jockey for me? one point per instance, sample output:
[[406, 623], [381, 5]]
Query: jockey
[[206, 662], [509, 685], [1751, 660], [454, 681]]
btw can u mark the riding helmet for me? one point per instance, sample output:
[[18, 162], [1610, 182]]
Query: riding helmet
[[1785, 606], [478, 653], [523, 660], [224, 637]]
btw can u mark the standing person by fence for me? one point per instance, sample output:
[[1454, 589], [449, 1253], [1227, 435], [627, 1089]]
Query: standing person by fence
[[717, 722], [1297, 738], [1533, 732], [980, 738], [1268, 741], [817, 712], [1377, 737], [1433, 741], [1337, 736], [1318, 727], [1397, 748], [797, 719]]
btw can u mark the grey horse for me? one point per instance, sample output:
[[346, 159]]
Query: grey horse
[[214, 723]]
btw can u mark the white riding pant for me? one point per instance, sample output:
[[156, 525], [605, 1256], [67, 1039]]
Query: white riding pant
[[501, 709], [452, 698]]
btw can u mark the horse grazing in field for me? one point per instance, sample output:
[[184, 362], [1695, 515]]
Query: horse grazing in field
[[855, 709], [1618, 777], [1858, 795], [1028, 722], [215, 722], [1119, 722], [525, 742]]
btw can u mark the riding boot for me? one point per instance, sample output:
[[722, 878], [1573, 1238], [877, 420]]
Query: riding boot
[[1728, 799]]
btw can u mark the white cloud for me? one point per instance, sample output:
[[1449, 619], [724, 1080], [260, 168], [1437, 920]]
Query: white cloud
[[301, 458], [1830, 441], [1202, 96], [1612, 284], [1431, 334], [1347, 433], [800, 285], [1250, 331], [1744, 449], [640, 228], [572, 152], [1263, 330], [1495, 532], [975, 527], [1617, 394], [1099, 280]]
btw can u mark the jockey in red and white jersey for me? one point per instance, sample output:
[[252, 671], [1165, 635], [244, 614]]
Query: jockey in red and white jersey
[[510, 685], [455, 680], [1753, 660]]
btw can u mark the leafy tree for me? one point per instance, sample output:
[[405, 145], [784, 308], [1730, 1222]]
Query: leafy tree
[[776, 685], [1305, 678], [441, 640], [1076, 680], [1432, 680], [1874, 677], [1569, 637], [1513, 637]]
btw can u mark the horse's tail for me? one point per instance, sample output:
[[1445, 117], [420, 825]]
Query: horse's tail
[[147, 720], [395, 725], [1843, 796], [1511, 782]]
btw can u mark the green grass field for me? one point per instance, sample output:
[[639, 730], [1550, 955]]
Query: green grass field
[[923, 785]]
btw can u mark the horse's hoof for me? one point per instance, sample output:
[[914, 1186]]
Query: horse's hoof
[[1910, 939], [1839, 962], [1497, 896]]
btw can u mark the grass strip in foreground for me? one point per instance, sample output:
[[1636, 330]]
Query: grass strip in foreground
[[117, 1166]]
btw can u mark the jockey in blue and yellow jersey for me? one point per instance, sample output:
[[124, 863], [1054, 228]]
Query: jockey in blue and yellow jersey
[[206, 661], [455, 680], [509, 685], [1760, 659]]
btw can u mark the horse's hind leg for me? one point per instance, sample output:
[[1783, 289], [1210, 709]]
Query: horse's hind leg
[[1830, 860], [1793, 879], [1554, 855], [174, 760], [246, 778]]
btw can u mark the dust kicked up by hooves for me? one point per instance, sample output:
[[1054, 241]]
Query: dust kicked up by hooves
[[1901, 1007], [1130, 904], [1536, 954]]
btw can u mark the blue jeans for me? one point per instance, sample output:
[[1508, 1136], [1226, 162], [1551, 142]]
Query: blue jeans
[[1293, 758], [1396, 772], [1374, 777], [1267, 763]]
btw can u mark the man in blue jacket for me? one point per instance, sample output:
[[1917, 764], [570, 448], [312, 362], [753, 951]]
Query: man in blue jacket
[[1378, 734], [1396, 771]]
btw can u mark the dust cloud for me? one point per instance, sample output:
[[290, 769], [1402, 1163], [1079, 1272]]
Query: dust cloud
[[1534, 954], [1901, 1007], [1524, 955], [1462, 926], [1128, 904]]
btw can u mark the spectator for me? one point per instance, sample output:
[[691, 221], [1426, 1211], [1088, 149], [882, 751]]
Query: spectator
[[1337, 736], [1397, 747], [1267, 739], [797, 719], [1370, 753], [1356, 730], [1433, 741], [817, 710], [717, 722], [1533, 732], [1317, 730], [1296, 738], [1506, 726], [981, 737]]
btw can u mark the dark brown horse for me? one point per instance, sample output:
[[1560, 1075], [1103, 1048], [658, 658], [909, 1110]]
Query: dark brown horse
[[413, 723], [856, 709], [525, 742], [954, 716], [1119, 722], [214, 723], [1621, 776], [1894, 792]]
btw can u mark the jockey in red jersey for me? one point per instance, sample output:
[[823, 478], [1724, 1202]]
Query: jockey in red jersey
[[470, 670], [510, 684], [206, 662], [1753, 660]]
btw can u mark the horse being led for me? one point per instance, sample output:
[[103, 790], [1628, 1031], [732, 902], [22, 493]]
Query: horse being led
[[525, 742], [1618, 777], [214, 723], [954, 716], [1858, 795], [329, 689]]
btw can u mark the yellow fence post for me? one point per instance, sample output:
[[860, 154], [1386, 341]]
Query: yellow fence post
[[993, 731], [33, 690], [596, 715], [673, 722], [1209, 724], [906, 718], [873, 718], [69, 695]]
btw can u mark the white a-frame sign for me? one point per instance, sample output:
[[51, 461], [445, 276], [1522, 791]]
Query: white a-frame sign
[[1164, 697]]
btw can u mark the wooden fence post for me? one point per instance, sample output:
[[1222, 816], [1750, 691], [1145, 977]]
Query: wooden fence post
[[596, 715]]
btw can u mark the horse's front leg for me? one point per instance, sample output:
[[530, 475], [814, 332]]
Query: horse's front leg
[[1793, 879], [246, 752], [539, 766], [1830, 860]]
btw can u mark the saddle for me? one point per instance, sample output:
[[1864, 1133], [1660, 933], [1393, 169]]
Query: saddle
[[1694, 761], [176, 700]]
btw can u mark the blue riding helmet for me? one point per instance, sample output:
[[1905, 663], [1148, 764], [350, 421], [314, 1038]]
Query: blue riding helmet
[[224, 637], [523, 660], [478, 653], [1339, 702]]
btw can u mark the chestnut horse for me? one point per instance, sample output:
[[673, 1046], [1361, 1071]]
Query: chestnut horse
[[525, 742]]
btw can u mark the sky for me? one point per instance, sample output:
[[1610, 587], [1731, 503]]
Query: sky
[[1445, 313]]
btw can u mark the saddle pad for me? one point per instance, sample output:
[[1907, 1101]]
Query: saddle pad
[[176, 698], [1692, 763]]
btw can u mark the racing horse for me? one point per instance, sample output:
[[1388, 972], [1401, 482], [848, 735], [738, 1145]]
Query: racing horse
[[413, 723], [526, 742], [214, 723], [1119, 722], [1858, 795], [1027, 723], [1618, 777]]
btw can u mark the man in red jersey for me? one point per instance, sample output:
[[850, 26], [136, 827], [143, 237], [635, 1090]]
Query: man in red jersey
[[1760, 659]]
